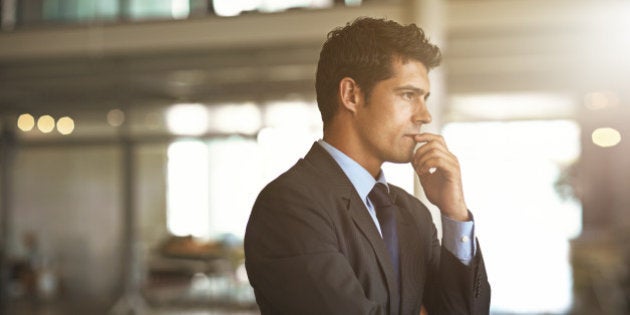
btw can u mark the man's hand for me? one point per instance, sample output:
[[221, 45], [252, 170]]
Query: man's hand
[[440, 176]]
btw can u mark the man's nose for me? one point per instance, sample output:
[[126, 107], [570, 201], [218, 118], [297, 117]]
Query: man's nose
[[422, 115]]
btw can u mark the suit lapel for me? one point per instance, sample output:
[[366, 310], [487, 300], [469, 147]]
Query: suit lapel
[[322, 161], [410, 258]]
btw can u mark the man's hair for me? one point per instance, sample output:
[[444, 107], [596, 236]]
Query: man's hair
[[364, 50]]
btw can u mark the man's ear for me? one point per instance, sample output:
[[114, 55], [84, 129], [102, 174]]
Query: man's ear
[[349, 94]]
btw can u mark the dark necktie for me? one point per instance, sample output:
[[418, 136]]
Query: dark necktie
[[386, 214]]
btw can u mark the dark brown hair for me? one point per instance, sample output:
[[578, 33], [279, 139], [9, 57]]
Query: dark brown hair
[[364, 51]]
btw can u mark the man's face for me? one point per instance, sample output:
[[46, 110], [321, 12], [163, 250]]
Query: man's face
[[394, 112]]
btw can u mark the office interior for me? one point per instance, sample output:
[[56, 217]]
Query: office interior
[[135, 136]]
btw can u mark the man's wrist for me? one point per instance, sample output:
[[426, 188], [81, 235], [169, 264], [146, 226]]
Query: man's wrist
[[461, 214]]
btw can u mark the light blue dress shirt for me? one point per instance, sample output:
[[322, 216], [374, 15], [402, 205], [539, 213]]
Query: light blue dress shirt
[[457, 237]]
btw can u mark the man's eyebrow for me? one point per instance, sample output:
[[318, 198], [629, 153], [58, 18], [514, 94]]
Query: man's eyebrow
[[409, 87]]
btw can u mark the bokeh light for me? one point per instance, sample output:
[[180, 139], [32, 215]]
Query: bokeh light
[[26, 122], [46, 123], [65, 125], [600, 100], [115, 117], [606, 137]]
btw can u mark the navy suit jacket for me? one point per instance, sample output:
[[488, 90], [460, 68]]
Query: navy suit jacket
[[311, 247]]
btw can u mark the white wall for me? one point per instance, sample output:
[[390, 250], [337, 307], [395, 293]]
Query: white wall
[[70, 198]]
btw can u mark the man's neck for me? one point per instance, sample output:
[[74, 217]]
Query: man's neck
[[345, 143]]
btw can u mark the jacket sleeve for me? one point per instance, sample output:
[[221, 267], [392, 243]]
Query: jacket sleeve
[[293, 260], [454, 288]]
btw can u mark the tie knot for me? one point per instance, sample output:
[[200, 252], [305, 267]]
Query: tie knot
[[379, 196]]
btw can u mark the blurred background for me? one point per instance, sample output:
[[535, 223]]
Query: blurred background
[[136, 134]]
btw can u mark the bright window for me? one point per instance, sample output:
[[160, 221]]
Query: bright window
[[235, 7], [212, 185], [509, 170], [234, 182], [187, 189]]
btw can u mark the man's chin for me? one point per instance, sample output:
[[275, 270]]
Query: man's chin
[[402, 159]]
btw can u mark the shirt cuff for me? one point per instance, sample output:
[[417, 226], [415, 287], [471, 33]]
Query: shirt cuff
[[459, 238]]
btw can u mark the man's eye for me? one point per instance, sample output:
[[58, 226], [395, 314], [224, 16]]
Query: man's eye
[[409, 95]]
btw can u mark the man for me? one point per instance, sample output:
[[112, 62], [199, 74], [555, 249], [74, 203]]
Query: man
[[330, 236]]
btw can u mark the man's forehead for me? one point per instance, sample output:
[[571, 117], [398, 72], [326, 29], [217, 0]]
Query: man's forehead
[[411, 72]]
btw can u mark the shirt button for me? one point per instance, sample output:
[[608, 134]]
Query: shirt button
[[464, 239]]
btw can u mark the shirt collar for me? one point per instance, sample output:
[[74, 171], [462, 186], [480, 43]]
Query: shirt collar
[[360, 178]]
